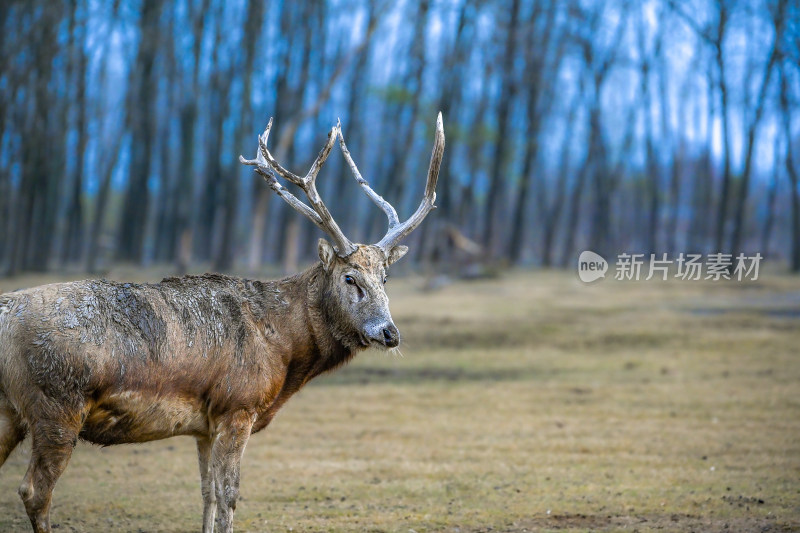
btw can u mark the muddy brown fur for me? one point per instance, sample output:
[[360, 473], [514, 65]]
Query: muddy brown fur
[[212, 357]]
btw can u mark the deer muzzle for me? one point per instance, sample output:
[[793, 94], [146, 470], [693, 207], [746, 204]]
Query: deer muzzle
[[383, 332]]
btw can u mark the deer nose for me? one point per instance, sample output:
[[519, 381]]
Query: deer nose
[[391, 336]]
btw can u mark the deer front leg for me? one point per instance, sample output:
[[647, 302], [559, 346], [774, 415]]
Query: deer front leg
[[204, 446], [226, 456]]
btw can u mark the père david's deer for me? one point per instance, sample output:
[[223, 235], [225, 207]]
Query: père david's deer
[[212, 357]]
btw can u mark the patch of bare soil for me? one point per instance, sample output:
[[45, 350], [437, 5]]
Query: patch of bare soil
[[667, 522]]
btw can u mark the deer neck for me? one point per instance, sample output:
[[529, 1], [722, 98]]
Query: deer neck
[[331, 346], [295, 306]]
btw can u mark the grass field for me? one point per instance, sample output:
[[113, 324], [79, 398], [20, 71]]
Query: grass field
[[527, 403]]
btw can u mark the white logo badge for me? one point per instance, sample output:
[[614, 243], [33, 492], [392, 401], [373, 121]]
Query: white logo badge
[[591, 266]]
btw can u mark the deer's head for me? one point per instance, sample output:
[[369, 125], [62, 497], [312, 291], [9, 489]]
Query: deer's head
[[354, 274], [354, 295]]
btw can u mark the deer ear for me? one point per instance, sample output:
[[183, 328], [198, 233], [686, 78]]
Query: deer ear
[[396, 253], [326, 254]]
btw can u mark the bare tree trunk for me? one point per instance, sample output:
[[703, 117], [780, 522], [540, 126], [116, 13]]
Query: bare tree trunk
[[715, 37], [674, 143], [291, 251], [141, 117], [599, 60], [109, 148], [398, 166], [772, 193], [40, 168], [575, 198], [355, 112], [551, 218], [678, 167], [212, 188], [450, 103], [312, 29], [475, 142], [184, 200], [599, 234], [165, 218], [5, 54], [74, 217], [164, 246], [541, 59], [573, 218], [7, 89], [259, 191], [722, 208], [101, 206], [503, 146], [654, 181], [515, 243], [256, 247], [791, 170], [752, 130], [651, 163], [702, 198], [254, 21]]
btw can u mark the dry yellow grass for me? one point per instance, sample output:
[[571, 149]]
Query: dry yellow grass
[[531, 402]]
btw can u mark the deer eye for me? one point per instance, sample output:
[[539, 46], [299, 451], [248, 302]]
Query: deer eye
[[384, 279], [349, 280]]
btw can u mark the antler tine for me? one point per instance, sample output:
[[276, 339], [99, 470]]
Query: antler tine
[[264, 152], [375, 197], [266, 166], [400, 231], [342, 243]]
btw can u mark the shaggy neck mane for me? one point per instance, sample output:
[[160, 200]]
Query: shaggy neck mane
[[332, 345]]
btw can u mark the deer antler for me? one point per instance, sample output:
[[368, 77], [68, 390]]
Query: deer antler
[[267, 166], [398, 231]]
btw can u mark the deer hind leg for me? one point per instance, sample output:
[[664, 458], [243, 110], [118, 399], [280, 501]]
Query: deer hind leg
[[12, 429], [204, 447], [50, 452], [226, 457]]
